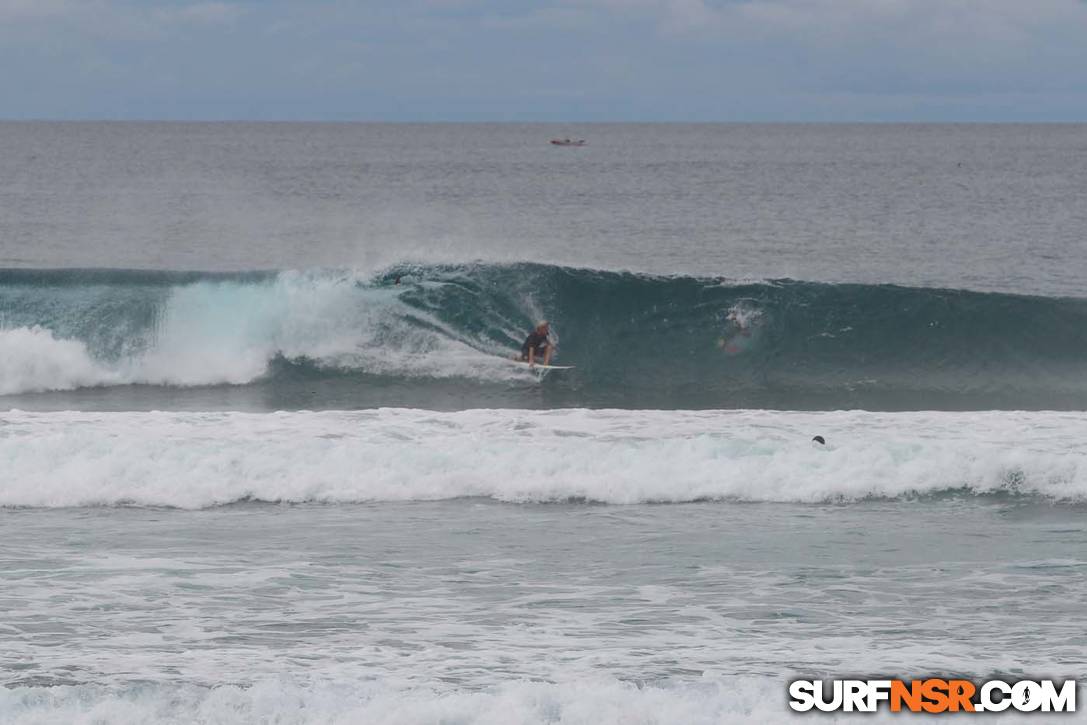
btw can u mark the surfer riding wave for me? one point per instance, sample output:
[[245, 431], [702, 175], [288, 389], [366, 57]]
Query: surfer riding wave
[[537, 347]]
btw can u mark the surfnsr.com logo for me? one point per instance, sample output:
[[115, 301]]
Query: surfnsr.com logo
[[932, 695]]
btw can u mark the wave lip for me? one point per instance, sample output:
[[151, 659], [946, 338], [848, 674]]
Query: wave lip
[[197, 460]]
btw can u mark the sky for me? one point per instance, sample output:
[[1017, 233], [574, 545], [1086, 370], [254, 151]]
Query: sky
[[551, 60]]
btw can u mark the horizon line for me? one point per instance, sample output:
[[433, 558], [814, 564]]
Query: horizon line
[[597, 122]]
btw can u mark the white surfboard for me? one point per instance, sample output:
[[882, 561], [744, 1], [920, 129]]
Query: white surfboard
[[540, 366]]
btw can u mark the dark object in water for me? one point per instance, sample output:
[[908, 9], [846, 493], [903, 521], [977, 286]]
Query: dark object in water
[[820, 440]]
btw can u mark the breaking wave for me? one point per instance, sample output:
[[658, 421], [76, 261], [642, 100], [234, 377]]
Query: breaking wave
[[637, 340]]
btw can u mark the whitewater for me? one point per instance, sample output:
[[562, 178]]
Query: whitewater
[[165, 331], [198, 460]]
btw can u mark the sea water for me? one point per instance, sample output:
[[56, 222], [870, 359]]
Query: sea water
[[264, 458]]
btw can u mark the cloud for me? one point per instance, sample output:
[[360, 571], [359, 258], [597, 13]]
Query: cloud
[[209, 13], [13, 11], [997, 20], [860, 45], [97, 15], [525, 59]]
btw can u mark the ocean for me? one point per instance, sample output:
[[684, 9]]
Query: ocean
[[266, 458]]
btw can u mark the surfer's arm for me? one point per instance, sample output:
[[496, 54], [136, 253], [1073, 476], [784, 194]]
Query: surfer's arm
[[531, 356], [547, 355]]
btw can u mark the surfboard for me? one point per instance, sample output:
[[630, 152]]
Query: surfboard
[[540, 366]]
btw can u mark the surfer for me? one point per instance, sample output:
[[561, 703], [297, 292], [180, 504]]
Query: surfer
[[538, 345]]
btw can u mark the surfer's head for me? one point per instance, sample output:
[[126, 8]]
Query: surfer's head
[[543, 326]]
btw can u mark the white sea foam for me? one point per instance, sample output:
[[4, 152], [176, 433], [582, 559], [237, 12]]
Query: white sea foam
[[32, 359], [195, 460], [600, 701], [226, 332]]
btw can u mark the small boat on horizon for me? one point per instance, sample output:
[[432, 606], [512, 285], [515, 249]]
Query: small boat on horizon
[[567, 142]]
